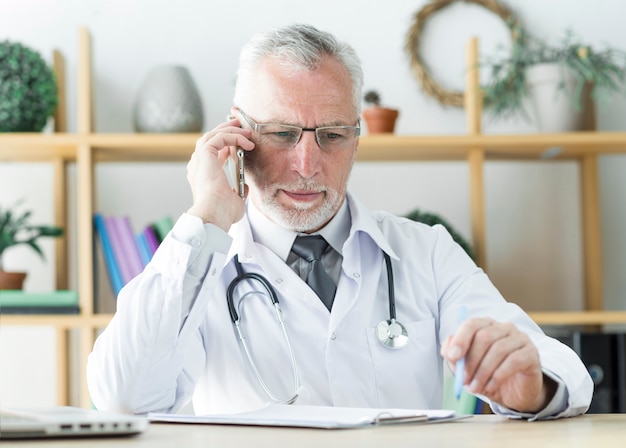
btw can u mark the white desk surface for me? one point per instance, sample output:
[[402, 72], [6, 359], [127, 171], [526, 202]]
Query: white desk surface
[[484, 431]]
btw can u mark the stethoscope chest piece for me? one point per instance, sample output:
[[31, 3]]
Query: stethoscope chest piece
[[392, 334]]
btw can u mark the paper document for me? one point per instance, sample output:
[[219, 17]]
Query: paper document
[[328, 417]]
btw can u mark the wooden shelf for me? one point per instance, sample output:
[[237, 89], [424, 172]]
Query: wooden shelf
[[87, 148], [387, 147], [37, 147], [496, 147], [575, 318], [578, 318], [63, 321]]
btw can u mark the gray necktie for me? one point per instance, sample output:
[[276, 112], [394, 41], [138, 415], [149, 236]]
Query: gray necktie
[[311, 248]]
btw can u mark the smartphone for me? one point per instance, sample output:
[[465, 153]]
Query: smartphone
[[234, 168]]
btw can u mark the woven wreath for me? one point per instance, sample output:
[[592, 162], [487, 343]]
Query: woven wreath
[[413, 41]]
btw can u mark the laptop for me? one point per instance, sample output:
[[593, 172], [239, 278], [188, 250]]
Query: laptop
[[66, 421]]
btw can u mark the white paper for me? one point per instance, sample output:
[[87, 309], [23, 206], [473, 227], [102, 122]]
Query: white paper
[[312, 416]]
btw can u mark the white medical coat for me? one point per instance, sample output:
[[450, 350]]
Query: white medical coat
[[172, 336]]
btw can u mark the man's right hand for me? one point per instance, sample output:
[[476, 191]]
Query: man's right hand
[[214, 200]]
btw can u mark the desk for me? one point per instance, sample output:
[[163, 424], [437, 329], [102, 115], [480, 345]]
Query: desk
[[484, 431]]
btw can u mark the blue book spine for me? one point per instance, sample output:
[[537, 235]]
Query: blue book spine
[[114, 273], [144, 249]]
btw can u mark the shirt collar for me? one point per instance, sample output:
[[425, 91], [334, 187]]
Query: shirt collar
[[369, 223], [352, 219], [279, 240]]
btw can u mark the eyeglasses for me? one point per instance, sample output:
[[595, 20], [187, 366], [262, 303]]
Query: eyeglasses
[[284, 136]]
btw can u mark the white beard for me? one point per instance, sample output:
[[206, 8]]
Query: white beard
[[302, 218]]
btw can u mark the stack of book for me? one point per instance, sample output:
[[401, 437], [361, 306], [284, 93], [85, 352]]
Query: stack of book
[[22, 302], [126, 253]]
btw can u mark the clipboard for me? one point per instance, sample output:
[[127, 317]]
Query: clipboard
[[324, 417]]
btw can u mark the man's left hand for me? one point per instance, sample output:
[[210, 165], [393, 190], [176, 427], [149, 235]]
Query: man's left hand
[[501, 363]]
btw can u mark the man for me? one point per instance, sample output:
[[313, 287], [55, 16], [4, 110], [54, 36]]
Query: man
[[296, 116]]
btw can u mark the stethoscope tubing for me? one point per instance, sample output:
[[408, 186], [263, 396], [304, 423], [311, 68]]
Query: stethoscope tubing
[[235, 317], [392, 333], [391, 288]]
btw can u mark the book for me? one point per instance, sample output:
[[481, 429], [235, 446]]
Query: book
[[151, 238], [54, 302], [162, 227], [117, 244], [144, 249], [113, 269], [39, 309], [126, 253], [129, 246]]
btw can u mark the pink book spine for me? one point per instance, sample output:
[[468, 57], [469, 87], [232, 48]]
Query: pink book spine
[[151, 238], [129, 245], [118, 248]]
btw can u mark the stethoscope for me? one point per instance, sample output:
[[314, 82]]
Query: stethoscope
[[389, 332]]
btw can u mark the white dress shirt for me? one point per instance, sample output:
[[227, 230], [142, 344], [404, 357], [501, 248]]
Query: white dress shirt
[[172, 338]]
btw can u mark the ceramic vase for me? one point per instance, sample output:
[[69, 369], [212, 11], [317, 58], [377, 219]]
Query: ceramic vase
[[551, 89], [168, 102]]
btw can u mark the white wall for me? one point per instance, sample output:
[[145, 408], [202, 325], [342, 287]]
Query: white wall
[[533, 225]]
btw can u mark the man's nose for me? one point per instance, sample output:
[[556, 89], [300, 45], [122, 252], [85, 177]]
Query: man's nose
[[307, 155]]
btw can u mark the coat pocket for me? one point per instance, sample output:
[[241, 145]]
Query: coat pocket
[[410, 376]]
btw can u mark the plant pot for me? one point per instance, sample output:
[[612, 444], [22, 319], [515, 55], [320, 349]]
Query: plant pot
[[380, 119], [12, 280], [551, 89]]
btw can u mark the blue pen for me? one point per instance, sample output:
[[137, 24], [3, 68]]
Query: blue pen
[[459, 370]]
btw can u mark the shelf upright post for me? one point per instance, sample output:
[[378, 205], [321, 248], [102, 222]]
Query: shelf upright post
[[475, 156], [60, 113], [85, 193], [591, 225], [60, 219], [592, 232], [60, 177]]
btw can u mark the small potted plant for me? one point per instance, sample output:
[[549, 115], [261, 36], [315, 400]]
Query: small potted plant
[[378, 119], [570, 74], [15, 229]]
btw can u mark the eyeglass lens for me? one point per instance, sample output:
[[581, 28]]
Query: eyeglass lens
[[284, 136]]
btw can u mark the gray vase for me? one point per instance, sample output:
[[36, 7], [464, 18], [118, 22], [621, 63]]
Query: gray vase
[[168, 101]]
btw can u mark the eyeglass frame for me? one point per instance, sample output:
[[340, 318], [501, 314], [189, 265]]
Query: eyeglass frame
[[257, 126]]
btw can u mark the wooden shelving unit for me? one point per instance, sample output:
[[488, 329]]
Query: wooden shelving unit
[[87, 148]]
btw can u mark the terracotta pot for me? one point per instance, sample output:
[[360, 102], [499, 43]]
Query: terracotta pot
[[12, 280], [380, 119]]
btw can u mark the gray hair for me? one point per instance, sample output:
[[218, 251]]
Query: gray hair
[[303, 46]]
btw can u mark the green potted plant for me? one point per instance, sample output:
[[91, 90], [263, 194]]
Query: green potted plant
[[28, 90], [378, 119], [15, 229], [432, 218], [570, 74]]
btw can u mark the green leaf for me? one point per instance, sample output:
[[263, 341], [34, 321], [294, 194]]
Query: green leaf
[[505, 89], [15, 229]]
